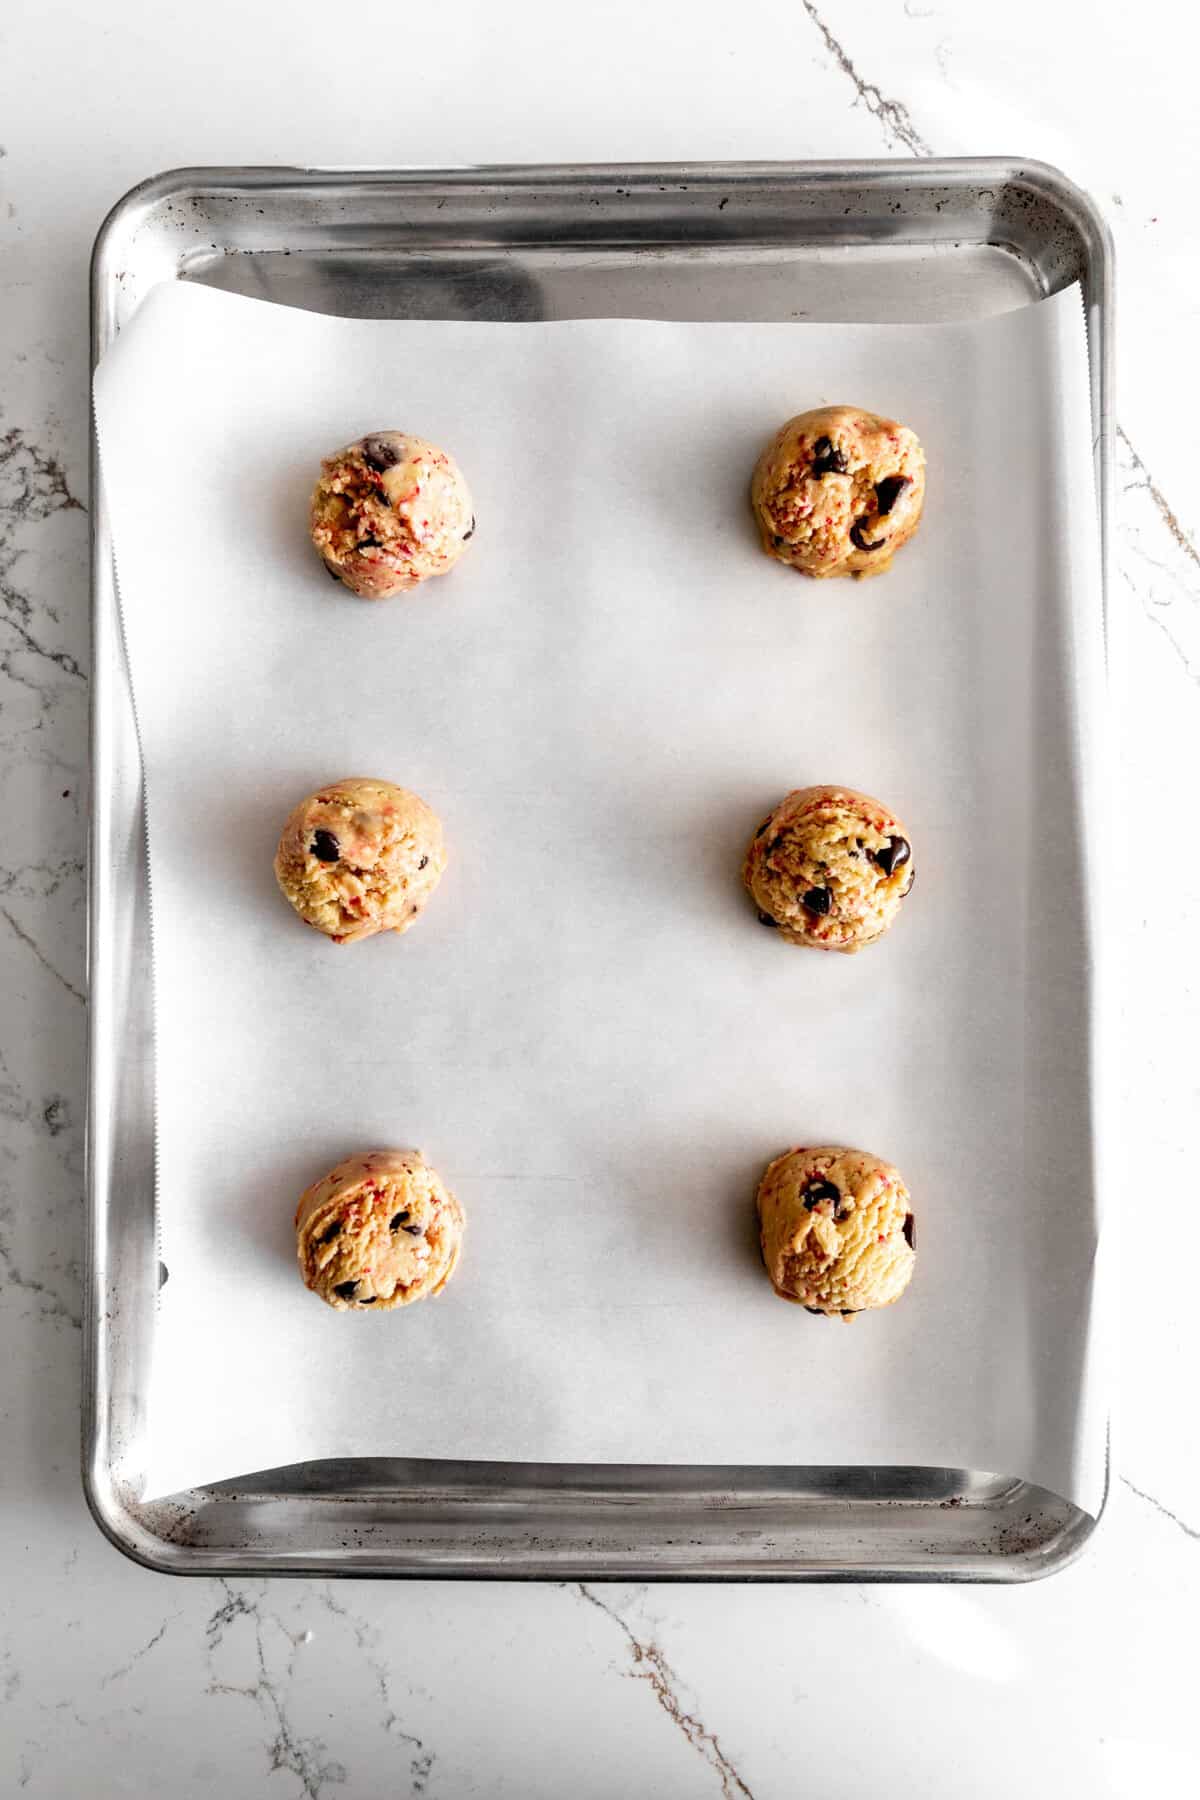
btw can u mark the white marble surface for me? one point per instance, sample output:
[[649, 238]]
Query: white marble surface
[[114, 1681]]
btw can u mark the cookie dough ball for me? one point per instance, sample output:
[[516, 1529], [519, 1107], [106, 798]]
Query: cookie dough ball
[[388, 512], [379, 1230], [829, 868], [838, 490], [359, 857], [837, 1229]]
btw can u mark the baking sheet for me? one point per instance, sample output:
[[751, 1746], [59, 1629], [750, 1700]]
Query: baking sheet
[[587, 1033]]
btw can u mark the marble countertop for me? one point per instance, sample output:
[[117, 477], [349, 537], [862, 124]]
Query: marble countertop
[[116, 1681]]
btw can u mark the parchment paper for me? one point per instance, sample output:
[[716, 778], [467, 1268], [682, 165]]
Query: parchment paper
[[588, 1033]]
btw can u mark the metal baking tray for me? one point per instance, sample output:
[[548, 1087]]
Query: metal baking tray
[[875, 241]]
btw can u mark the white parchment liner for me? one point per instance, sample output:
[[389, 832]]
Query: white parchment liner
[[588, 1033]]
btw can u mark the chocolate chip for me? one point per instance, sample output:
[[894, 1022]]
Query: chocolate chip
[[774, 844], [369, 1301], [397, 1220], [346, 1290], [848, 1312], [324, 846], [819, 1310], [778, 542], [471, 532], [332, 1231], [763, 826], [330, 571], [370, 543], [424, 860], [818, 900], [910, 1230], [859, 541], [764, 918], [819, 1190], [414, 1230], [827, 460], [888, 491], [895, 853], [379, 455]]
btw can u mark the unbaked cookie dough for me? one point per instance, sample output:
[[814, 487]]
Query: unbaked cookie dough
[[389, 512], [358, 857], [837, 1230], [379, 1230], [838, 490], [829, 868]]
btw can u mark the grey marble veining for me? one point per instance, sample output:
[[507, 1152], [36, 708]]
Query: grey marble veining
[[114, 1681]]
